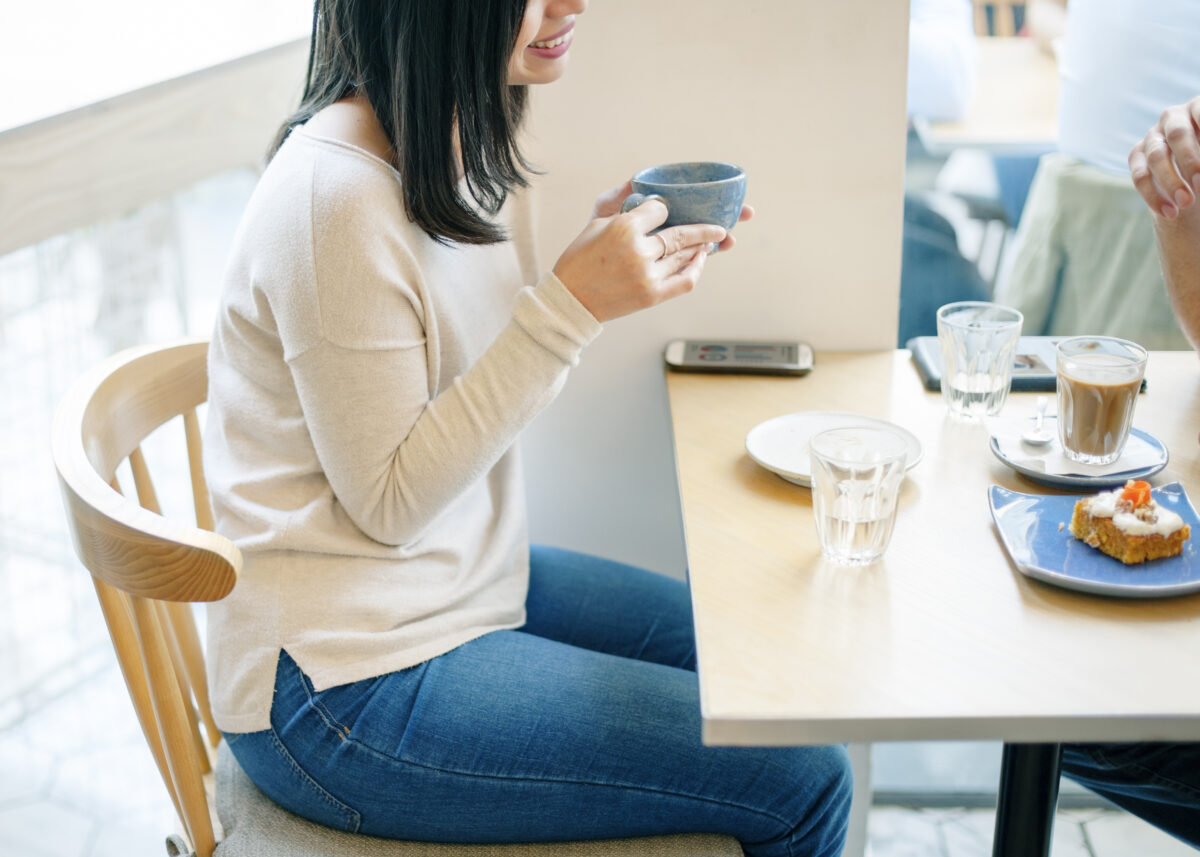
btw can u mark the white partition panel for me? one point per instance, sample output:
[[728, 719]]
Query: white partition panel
[[810, 98]]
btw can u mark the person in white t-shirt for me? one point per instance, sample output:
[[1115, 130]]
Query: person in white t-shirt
[[1083, 258], [396, 658]]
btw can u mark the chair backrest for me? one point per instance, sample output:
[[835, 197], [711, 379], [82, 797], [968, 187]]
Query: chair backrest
[[1002, 20], [147, 568]]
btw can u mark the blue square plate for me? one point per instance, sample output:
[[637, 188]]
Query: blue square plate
[[1029, 529]]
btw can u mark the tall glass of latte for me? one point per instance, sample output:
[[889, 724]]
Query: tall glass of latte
[[1098, 382]]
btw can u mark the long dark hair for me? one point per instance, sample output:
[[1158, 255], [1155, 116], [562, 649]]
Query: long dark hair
[[425, 65]]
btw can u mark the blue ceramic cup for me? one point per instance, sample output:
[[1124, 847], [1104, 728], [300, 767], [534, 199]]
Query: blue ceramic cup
[[693, 192]]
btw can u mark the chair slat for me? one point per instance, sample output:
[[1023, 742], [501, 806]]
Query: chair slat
[[210, 792], [195, 448], [183, 680], [981, 18], [1003, 21], [118, 616], [167, 700], [142, 482], [183, 642], [193, 663]]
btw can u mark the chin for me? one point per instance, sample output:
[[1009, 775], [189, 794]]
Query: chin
[[549, 73]]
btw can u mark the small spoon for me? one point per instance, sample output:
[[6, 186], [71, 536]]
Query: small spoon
[[1039, 435]]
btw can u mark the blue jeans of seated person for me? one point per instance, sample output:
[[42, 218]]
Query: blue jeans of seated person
[[932, 271], [1159, 782], [583, 724]]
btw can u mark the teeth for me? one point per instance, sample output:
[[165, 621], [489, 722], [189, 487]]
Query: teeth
[[553, 43]]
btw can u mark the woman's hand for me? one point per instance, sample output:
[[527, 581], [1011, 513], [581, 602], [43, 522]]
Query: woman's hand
[[1165, 164], [616, 266]]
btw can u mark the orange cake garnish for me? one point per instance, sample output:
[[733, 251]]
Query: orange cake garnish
[[1137, 493]]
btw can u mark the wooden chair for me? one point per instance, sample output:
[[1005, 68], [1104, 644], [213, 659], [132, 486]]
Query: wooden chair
[[1003, 20], [148, 569]]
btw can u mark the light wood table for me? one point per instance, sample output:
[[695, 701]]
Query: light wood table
[[1015, 107], [943, 638]]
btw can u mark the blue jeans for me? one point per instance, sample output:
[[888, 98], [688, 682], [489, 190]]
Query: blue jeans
[[932, 271], [583, 724], [1159, 782]]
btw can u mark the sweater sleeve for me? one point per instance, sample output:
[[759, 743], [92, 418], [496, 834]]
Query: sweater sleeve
[[394, 457]]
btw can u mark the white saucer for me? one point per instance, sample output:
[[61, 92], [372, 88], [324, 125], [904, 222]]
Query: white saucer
[[781, 444], [1144, 456]]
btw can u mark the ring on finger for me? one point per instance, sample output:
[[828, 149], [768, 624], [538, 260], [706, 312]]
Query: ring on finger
[[664, 252]]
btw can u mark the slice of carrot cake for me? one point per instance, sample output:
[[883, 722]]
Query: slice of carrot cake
[[1129, 525]]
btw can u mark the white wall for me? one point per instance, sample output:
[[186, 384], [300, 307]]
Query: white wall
[[808, 96]]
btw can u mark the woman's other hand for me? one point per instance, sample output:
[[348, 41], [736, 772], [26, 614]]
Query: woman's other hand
[[727, 243], [609, 203], [616, 266], [1165, 164]]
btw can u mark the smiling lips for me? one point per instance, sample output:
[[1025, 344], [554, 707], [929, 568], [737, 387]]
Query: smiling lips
[[556, 45]]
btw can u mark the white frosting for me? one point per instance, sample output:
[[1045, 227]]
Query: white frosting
[[1104, 505]]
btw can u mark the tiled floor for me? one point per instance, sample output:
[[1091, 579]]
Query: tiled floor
[[76, 779], [907, 832]]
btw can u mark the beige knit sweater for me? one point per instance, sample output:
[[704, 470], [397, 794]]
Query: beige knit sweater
[[366, 389]]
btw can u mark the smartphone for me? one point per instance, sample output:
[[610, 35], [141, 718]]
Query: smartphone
[[739, 357]]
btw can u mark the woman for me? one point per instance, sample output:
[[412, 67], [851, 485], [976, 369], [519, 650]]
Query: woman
[[396, 659]]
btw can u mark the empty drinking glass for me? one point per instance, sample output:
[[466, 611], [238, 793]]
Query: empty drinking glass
[[978, 341], [856, 476]]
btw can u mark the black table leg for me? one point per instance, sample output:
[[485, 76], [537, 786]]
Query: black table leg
[[1028, 796]]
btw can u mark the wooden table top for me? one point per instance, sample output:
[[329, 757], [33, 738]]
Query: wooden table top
[[943, 638], [1015, 107]]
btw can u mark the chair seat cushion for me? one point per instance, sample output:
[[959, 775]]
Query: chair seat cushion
[[255, 826]]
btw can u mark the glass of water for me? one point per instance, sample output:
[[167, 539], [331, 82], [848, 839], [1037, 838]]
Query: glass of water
[[978, 342], [856, 476]]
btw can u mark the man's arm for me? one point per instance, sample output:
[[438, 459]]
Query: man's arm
[[1165, 167], [1179, 250]]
